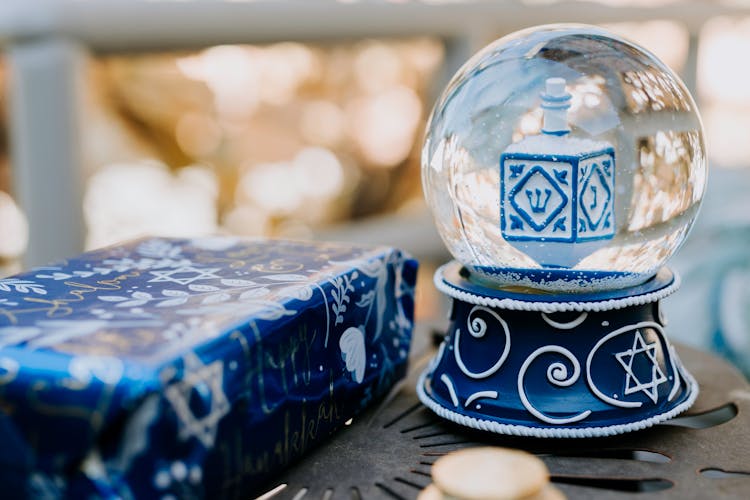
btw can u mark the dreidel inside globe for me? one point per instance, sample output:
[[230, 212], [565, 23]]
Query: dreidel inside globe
[[563, 166], [556, 199]]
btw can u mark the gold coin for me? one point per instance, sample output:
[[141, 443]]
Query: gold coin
[[431, 492], [489, 473]]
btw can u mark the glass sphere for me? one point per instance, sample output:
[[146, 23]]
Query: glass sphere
[[564, 158]]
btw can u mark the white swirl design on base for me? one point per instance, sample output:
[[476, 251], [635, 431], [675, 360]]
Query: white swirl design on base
[[557, 374], [480, 395], [435, 361], [494, 425], [619, 331], [676, 368], [477, 329], [565, 326], [451, 390]]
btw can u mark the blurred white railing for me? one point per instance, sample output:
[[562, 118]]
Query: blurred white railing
[[46, 43]]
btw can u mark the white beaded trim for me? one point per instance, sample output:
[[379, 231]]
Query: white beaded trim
[[552, 307], [552, 432]]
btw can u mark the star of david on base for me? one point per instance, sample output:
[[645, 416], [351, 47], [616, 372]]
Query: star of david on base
[[209, 380], [632, 382], [197, 274]]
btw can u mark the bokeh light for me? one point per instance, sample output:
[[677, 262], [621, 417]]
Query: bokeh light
[[723, 90], [668, 40], [125, 201], [14, 230], [335, 125], [297, 136]]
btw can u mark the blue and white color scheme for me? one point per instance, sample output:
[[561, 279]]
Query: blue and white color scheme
[[192, 368], [586, 365], [557, 188], [570, 199]]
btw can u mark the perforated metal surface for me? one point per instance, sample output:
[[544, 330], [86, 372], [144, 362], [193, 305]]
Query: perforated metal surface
[[388, 451]]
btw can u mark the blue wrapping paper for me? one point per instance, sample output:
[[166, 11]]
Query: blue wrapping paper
[[192, 367]]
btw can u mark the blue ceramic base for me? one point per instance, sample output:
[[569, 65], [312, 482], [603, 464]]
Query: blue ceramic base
[[556, 366]]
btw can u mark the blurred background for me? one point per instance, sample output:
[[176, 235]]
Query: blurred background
[[304, 119]]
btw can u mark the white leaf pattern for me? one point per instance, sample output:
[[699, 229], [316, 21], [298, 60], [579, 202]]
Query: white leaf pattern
[[158, 249], [288, 278], [302, 292], [203, 288], [237, 282], [172, 302], [111, 298], [132, 303], [255, 293], [268, 310], [352, 344], [57, 276], [107, 369], [215, 298], [22, 286], [216, 243], [340, 293]]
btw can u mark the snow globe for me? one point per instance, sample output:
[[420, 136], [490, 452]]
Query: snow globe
[[563, 166]]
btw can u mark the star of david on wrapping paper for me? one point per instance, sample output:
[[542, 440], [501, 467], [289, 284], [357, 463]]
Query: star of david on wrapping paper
[[184, 275], [207, 381], [656, 376]]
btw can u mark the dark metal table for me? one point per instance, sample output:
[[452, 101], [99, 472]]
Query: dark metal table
[[387, 452]]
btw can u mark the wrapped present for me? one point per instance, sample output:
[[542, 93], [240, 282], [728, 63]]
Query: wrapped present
[[192, 367]]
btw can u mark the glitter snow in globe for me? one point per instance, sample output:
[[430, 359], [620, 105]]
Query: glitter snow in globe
[[563, 166]]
